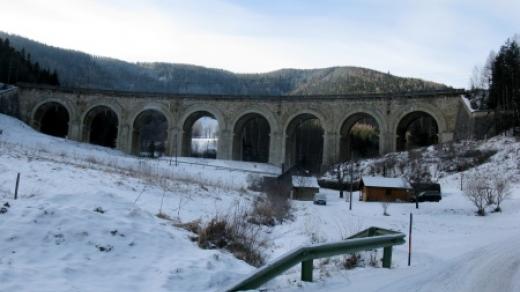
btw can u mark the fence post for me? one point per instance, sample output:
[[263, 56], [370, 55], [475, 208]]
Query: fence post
[[410, 241], [387, 257], [307, 271], [17, 184]]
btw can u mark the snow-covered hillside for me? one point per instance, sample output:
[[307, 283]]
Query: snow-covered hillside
[[86, 220]]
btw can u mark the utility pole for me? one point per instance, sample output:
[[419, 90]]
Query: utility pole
[[340, 175], [16, 187], [410, 241], [351, 181], [176, 149]]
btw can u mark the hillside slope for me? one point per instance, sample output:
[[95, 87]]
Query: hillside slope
[[85, 221], [77, 69]]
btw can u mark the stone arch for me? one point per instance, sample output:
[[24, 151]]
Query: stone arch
[[353, 146], [100, 125], [111, 104], [274, 123], [193, 114], [305, 141], [251, 137], [53, 117], [163, 109], [421, 107], [203, 108], [416, 129], [317, 114], [150, 131]]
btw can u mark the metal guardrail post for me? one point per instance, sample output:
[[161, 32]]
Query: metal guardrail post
[[387, 257], [307, 271]]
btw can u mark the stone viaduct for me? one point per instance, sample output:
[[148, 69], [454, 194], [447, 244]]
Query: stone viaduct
[[391, 113]]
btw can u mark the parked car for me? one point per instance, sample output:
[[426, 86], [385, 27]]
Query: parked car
[[426, 192], [320, 199], [427, 196]]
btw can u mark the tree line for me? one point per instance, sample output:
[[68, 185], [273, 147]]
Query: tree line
[[500, 77], [17, 66]]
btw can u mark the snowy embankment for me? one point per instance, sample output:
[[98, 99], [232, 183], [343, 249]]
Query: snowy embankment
[[85, 221], [453, 249], [85, 218]]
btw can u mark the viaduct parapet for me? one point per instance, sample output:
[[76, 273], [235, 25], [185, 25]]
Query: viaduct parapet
[[281, 115]]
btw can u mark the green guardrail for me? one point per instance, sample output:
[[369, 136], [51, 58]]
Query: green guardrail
[[368, 239]]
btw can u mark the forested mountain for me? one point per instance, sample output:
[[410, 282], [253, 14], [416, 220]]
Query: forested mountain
[[16, 66], [77, 69]]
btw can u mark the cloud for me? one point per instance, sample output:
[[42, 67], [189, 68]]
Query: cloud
[[435, 40]]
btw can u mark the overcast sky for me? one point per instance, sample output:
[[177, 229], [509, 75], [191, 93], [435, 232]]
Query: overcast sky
[[434, 40]]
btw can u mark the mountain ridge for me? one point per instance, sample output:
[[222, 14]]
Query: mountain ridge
[[79, 69]]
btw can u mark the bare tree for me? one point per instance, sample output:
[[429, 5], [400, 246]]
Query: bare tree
[[502, 190], [196, 130], [476, 81], [476, 190], [340, 176], [481, 75], [385, 205]]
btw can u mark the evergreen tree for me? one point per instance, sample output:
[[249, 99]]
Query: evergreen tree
[[504, 90], [15, 67]]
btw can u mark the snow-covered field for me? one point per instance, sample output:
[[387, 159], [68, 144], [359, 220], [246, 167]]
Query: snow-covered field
[[85, 221], [201, 145]]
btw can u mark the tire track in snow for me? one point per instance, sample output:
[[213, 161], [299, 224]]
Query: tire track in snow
[[495, 267]]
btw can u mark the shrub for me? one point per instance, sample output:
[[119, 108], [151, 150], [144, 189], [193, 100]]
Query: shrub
[[274, 207], [385, 205], [502, 190], [485, 190], [235, 234], [372, 261], [476, 190], [352, 261]]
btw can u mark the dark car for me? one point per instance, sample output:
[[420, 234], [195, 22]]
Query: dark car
[[427, 192], [429, 196], [320, 199]]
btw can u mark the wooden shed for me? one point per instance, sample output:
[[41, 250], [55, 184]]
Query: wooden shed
[[304, 187], [385, 189]]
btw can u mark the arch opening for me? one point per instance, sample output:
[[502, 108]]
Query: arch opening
[[52, 118], [150, 134], [101, 126], [200, 135], [251, 138], [304, 143], [359, 137], [416, 129]]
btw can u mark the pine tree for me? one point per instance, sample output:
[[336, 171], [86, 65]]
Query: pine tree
[[504, 90], [16, 67]]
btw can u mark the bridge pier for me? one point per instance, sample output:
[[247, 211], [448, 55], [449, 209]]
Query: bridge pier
[[74, 131], [387, 142], [445, 137], [276, 148], [175, 141], [225, 142], [330, 155], [124, 142]]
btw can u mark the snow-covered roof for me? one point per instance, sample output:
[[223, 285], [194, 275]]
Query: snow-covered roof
[[386, 182], [305, 181]]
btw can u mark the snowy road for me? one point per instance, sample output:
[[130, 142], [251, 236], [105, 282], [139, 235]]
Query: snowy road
[[495, 267]]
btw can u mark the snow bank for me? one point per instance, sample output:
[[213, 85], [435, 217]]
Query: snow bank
[[228, 174], [52, 239], [61, 243]]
